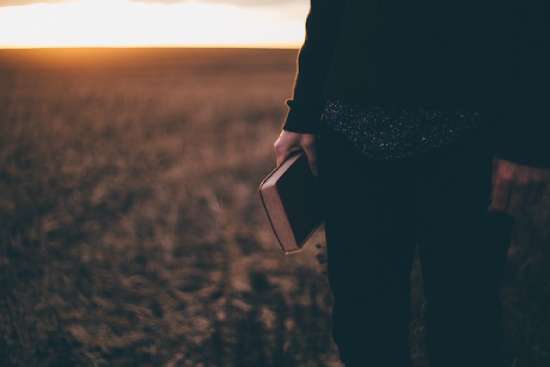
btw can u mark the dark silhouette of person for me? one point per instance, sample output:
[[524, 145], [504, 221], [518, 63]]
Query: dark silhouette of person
[[423, 121]]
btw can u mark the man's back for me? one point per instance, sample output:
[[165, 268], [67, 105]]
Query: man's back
[[489, 56], [455, 53]]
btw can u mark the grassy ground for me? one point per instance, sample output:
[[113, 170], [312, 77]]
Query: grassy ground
[[131, 232]]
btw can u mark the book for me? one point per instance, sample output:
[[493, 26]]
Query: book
[[291, 201]]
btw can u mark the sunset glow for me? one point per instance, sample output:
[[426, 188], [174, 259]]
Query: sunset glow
[[133, 23]]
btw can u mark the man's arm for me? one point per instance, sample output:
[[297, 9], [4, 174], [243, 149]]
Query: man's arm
[[524, 122], [313, 62], [523, 148]]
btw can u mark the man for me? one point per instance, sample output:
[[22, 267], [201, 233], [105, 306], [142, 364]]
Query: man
[[488, 56]]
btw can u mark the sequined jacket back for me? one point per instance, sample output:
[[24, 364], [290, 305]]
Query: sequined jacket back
[[484, 55]]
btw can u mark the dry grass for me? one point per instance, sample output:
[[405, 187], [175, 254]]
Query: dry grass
[[131, 233]]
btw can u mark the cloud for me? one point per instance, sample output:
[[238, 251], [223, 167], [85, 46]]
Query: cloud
[[27, 2], [232, 2]]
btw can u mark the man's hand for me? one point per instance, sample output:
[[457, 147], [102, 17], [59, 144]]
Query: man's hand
[[516, 186], [289, 141]]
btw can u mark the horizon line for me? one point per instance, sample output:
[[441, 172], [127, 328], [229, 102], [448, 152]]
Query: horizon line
[[246, 46]]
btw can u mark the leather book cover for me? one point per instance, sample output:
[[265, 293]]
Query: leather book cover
[[290, 198]]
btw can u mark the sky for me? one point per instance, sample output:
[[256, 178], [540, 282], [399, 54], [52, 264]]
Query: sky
[[128, 23]]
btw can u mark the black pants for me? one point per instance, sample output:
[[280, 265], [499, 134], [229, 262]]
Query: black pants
[[376, 214]]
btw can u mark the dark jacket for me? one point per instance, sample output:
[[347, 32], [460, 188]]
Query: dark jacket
[[488, 55]]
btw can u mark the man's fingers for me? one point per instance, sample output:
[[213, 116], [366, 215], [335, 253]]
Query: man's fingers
[[289, 142], [283, 152], [533, 193], [502, 191], [516, 199], [311, 154]]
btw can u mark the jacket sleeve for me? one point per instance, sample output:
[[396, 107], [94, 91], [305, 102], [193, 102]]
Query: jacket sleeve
[[526, 139], [524, 126], [313, 61]]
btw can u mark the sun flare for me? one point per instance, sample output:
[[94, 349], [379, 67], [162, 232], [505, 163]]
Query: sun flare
[[132, 23]]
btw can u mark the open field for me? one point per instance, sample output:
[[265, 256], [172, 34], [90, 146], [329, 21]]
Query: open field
[[131, 232]]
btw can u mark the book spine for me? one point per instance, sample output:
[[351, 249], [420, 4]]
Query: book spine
[[287, 249]]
